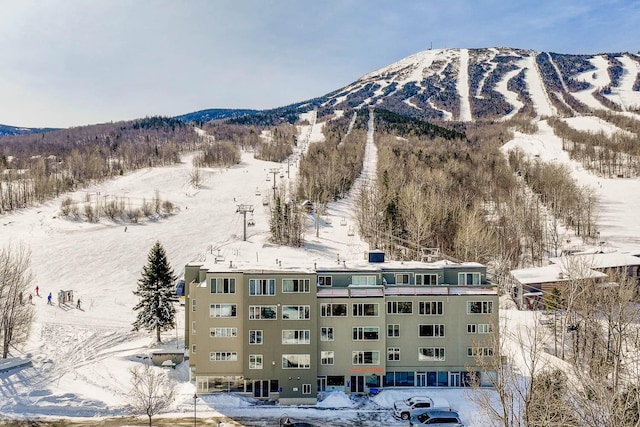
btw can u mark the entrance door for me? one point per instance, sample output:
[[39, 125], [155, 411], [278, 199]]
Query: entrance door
[[357, 384], [421, 379], [322, 383], [454, 379], [261, 388]]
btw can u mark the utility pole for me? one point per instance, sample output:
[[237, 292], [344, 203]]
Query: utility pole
[[274, 171], [243, 209]]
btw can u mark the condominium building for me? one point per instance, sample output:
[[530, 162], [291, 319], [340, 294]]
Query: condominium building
[[287, 333]]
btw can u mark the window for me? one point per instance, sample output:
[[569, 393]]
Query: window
[[193, 305], [223, 332], [431, 308], [221, 285], [295, 285], [393, 331], [430, 354], [426, 279], [263, 312], [402, 279], [193, 327], [296, 337], [365, 357], [306, 388], [484, 328], [325, 281], [363, 280], [223, 356], [365, 309], [262, 287], [326, 333], [296, 312], [326, 357], [479, 307], [296, 361], [222, 310], [393, 354], [468, 279], [255, 361], [472, 328], [333, 310], [193, 348], [399, 307], [430, 331], [366, 333], [479, 351], [255, 337]]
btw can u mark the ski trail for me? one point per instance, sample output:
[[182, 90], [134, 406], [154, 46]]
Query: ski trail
[[463, 86], [541, 102]]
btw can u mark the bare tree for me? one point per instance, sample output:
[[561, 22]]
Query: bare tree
[[151, 392], [16, 314], [195, 177]]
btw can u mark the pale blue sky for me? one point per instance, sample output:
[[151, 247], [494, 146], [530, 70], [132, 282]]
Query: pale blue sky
[[74, 62]]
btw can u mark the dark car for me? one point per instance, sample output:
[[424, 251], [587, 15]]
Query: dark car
[[435, 418], [180, 288]]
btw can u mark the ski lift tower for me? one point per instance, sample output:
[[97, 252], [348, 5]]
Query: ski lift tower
[[243, 209], [274, 171]]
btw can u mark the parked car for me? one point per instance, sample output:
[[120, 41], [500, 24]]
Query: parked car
[[403, 408], [180, 288], [435, 418]]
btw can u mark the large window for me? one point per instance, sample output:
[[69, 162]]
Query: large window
[[481, 328], [479, 351], [326, 333], [295, 285], [365, 309], [431, 354], [263, 312], [366, 333], [255, 361], [393, 331], [468, 279], [393, 354], [255, 337], [399, 307], [479, 307], [333, 310], [326, 357], [365, 357], [325, 281], [430, 331], [221, 285], [296, 337], [296, 312], [426, 279], [363, 280], [402, 279], [296, 361], [262, 287], [223, 332], [223, 356], [431, 308], [222, 310]]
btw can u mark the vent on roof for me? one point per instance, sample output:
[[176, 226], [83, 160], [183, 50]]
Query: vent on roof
[[376, 256]]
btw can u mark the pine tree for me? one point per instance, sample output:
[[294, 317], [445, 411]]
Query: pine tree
[[155, 289]]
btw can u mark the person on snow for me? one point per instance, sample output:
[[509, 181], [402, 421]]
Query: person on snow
[[37, 290], [49, 299], [30, 299], [78, 304]]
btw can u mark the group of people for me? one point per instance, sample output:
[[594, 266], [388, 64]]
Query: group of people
[[49, 298]]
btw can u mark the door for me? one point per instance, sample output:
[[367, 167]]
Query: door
[[261, 388], [322, 383], [454, 379], [357, 384], [421, 379]]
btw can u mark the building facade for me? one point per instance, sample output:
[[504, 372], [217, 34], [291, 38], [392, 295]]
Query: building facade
[[289, 333]]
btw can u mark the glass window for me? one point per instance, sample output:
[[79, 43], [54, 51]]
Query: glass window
[[326, 357], [296, 312], [193, 305], [430, 331], [262, 287], [393, 354], [326, 333], [479, 351], [465, 279], [223, 332], [393, 331], [365, 309], [471, 328], [296, 337], [333, 310], [223, 356], [263, 312], [295, 285], [306, 388], [426, 279], [221, 285], [366, 333], [222, 310], [399, 307], [484, 328], [296, 361], [430, 354], [255, 361], [255, 337], [402, 279], [325, 281], [365, 357], [363, 280], [479, 307], [431, 308]]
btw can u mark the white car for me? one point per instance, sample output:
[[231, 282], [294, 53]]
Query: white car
[[402, 408]]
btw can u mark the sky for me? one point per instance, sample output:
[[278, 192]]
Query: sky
[[75, 62]]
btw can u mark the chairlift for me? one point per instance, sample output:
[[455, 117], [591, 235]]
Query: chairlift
[[351, 231], [257, 191], [268, 178], [251, 222], [343, 221]]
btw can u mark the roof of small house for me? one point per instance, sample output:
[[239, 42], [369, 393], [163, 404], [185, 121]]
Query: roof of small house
[[553, 273]]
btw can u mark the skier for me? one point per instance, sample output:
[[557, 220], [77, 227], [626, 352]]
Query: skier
[[49, 299], [20, 297], [37, 290], [30, 299], [78, 304]]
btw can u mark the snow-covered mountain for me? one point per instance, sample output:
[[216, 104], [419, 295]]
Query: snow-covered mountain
[[495, 83]]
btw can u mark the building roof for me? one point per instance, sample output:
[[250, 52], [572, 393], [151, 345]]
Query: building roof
[[599, 260], [553, 273]]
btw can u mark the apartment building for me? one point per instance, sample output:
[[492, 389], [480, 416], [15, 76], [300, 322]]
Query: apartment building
[[287, 333]]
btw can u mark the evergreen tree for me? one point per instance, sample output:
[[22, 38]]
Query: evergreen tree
[[155, 289]]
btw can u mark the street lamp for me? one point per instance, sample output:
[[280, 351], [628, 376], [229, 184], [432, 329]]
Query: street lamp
[[195, 398]]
